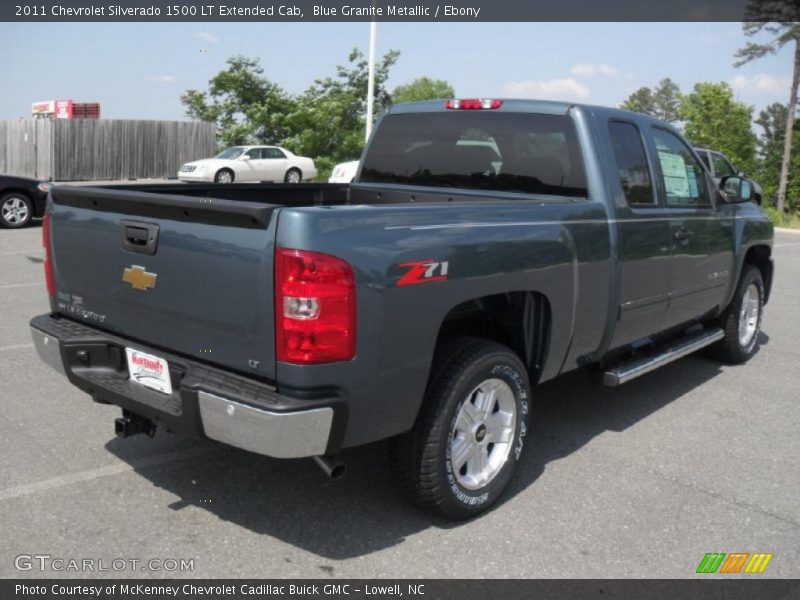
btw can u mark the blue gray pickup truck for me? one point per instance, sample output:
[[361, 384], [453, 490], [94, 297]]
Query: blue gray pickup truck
[[485, 246]]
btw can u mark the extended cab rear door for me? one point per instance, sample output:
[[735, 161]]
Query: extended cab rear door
[[643, 227]]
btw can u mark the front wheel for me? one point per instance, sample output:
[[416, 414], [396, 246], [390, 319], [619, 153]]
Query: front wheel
[[462, 452], [224, 176], [741, 322], [293, 175]]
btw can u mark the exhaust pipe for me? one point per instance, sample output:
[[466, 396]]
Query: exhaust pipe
[[332, 466], [130, 424]]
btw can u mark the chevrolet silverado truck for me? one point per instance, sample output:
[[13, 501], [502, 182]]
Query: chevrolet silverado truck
[[485, 246]]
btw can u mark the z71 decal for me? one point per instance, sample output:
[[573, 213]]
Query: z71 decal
[[423, 271]]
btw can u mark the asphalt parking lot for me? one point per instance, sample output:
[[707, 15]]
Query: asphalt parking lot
[[639, 481]]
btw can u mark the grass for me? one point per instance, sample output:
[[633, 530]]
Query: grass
[[789, 220]]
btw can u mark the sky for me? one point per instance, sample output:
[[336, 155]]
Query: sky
[[138, 71]]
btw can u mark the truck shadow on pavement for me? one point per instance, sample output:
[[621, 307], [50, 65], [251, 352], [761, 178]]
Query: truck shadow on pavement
[[364, 512]]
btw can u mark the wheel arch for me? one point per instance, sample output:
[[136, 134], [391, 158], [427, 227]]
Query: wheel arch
[[520, 320], [760, 256], [10, 190]]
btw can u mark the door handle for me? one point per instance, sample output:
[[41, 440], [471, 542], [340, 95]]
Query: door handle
[[683, 234]]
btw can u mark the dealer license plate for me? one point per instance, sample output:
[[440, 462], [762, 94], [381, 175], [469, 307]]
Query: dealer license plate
[[149, 371]]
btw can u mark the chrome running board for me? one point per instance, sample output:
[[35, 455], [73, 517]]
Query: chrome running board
[[639, 366]]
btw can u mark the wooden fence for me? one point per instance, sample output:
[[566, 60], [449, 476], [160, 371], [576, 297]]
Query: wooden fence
[[87, 149]]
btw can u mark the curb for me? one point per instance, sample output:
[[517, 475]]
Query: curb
[[785, 230]]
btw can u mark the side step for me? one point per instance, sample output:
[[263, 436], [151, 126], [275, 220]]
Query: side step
[[639, 366]]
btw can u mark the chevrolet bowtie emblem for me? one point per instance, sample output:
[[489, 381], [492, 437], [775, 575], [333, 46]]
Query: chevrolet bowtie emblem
[[139, 278]]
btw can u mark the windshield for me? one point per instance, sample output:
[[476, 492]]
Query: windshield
[[510, 152], [231, 153]]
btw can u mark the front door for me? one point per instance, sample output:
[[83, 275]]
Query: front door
[[701, 232]]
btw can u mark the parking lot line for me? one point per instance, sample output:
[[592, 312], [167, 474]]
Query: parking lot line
[[20, 285], [15, 347], [91, 474]]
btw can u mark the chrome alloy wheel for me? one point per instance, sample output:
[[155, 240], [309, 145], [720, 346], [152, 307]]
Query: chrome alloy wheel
[[225, 177], [748, 315], [293, 176], [15, 211], [483, 434]]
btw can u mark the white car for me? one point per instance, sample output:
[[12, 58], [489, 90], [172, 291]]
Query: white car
[[242, 164], [344, 172]]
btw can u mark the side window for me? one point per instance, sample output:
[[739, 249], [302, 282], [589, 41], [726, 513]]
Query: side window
[[273, 153], [721, 166], [254, 153], [634, 174], [704, 157], [681, 173]]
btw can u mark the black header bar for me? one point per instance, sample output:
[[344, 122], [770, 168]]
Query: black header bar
[[379, 10]]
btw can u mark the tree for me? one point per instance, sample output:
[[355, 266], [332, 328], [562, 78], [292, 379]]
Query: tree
[[781, 19], [327, 121], [422, 88], [714, 119], [772, 121], [667, 98], [770, 150], [245, 105], [641, 101], [663, 103]]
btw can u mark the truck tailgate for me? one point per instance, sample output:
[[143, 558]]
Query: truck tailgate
[[136, 264]]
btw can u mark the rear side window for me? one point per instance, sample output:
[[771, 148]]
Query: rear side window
[[477, 150], [682, 175], [634, 174], [273, 153]]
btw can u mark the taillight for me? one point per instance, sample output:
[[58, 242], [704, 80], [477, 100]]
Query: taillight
[[315, 307], [473, 104], [48, 256]]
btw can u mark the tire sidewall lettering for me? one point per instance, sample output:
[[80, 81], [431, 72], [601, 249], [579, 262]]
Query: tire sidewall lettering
[[510, 375]]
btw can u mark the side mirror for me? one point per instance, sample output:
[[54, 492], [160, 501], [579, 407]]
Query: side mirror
[[735, 189], [245, 157], [742, 174]]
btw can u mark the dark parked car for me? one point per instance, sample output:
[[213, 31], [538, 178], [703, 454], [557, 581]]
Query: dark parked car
[[720, 167], [21, 199], [485, 246]]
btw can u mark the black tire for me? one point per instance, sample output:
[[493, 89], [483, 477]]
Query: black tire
[[292, 173], [421, 458], [731, 348], [221, 175], [16, 210]]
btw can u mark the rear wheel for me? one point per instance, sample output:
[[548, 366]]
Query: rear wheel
[[462, 452], [293, 175], [742, 320], [224, 176], [16, 210]]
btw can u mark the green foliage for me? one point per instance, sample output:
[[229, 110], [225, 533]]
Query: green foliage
[[326, 122], [641, 101], [772, 121], [789, 220], [781, 19], [328, 118], [715, 120], [422, 88], [663, 102], [245, 105]]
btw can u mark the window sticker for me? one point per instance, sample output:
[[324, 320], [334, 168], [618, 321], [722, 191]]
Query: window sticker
[[676, 178]]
